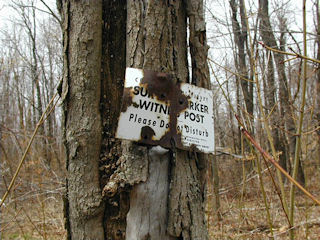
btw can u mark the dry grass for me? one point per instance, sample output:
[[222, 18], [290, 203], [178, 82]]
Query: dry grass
[[34, 210], [245, 217], [36, 218]]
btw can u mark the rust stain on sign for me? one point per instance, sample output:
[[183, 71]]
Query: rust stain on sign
[[158, 110]]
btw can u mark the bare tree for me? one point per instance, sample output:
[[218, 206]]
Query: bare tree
[[271, 90], [317, 107], [240, 34], [283, 111]]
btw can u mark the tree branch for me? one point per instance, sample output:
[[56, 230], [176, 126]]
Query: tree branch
[[274, 162]]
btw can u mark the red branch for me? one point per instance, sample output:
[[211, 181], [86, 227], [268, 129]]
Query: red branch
[[274, 162]]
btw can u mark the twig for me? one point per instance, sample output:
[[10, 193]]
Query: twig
[[277, 191], [230, 71], [52, 13], [270, 139], [271, 160], [296, 55], [27, 150], [296, 161]]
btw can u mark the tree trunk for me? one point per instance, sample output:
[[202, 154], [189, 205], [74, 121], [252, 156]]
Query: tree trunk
[[146, 192], [160, 29], [284, 96], [82, 122], [317, 107], [241, 38], [271, 94]]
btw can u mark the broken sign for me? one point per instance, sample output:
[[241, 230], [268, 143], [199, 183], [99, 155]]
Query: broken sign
[[157, 110]]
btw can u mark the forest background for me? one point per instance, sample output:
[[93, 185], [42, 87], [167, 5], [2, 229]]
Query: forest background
[[264, 58]]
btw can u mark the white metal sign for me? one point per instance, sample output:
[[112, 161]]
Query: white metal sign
[[158, 111]]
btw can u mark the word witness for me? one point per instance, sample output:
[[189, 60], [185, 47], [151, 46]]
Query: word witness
[[165, 109]]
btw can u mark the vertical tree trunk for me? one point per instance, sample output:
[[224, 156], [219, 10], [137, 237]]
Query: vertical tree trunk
[[317, 107], [240, 37], [157, 41], [242, 53], [30, 25], [187, 190], [19, 100], [284, 96], [271, 89], [82, 125]]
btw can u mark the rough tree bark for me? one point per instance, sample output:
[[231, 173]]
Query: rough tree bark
[[82, 124], [140, 192], [317, 107]]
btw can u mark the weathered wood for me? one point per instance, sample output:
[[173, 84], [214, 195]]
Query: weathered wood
[[149, 47], [147, 217]]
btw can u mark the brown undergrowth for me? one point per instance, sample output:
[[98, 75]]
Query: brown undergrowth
[[34, 207], [242, 214], [34, 210]]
